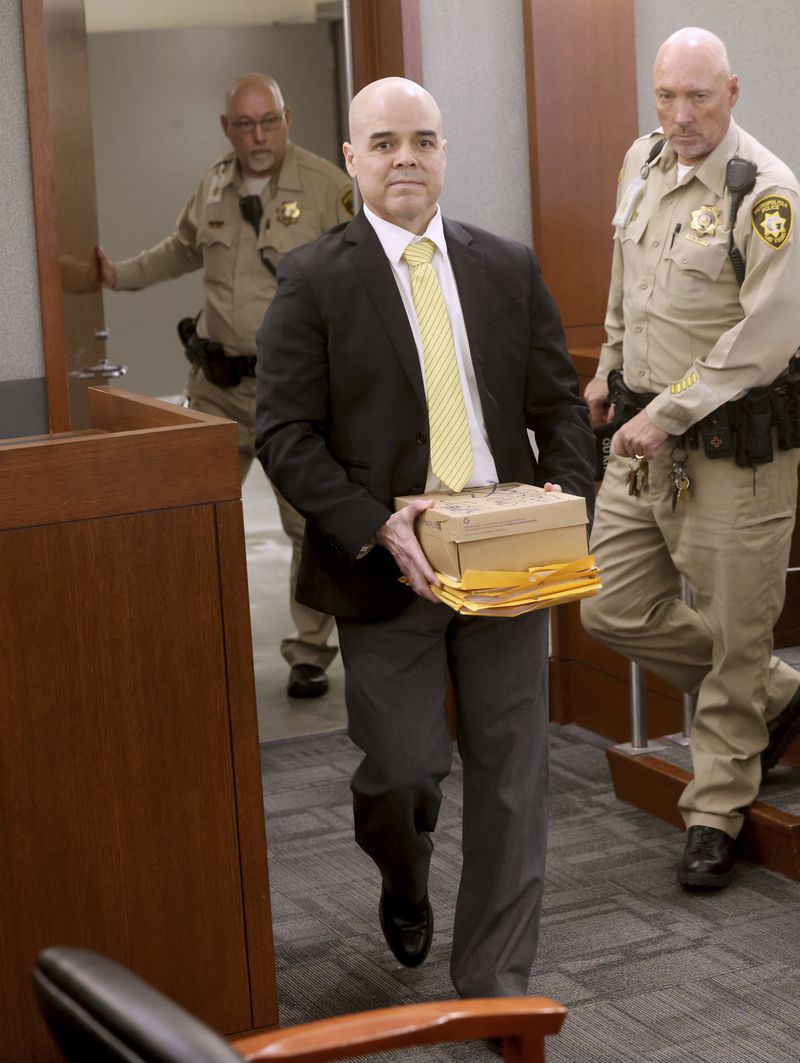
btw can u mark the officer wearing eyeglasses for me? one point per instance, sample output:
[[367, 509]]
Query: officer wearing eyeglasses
[[261, 199]]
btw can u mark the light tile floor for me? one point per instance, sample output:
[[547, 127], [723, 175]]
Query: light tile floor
[[268, 551]]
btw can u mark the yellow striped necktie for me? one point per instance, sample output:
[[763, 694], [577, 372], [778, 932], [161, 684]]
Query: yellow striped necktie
[[451, 446]]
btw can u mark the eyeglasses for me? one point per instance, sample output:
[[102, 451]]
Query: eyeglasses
[[248, 125]]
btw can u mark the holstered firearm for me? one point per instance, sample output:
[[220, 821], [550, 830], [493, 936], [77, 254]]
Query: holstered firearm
[[217, 367], [785, 399], [626, 404]]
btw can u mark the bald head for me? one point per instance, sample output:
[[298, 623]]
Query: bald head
[[391, 96], [256, 121], [396, 151], [253, 81], [693, 45], [695, 92]]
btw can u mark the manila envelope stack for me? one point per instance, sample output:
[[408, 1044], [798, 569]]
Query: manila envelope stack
[[507, 549]]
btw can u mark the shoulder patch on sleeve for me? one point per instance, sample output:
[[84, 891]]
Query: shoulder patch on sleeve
[[772, 220], [346, 200]]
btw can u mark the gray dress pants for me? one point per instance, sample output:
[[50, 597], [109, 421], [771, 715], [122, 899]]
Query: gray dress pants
[[395, 674]]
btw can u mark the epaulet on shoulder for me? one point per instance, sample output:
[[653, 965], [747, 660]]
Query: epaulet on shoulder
[[642, 146], [221, 162], [648, 140], [310, 161]]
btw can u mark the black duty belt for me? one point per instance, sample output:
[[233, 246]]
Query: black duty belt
[[226, 371], [741, 429], [246, 364]]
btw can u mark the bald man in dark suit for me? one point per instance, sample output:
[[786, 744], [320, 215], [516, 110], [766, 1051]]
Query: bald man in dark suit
[[346, 422]]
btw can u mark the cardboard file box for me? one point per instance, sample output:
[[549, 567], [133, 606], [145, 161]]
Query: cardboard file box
[[502, 527]]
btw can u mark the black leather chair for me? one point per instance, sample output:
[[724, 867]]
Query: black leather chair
[[100, 1012]]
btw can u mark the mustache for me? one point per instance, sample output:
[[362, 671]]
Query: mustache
[[406, 175]]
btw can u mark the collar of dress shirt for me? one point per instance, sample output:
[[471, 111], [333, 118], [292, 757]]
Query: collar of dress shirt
[[394, 239]]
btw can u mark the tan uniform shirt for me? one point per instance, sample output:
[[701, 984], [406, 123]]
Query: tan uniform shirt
[[677, 320], [309, 196]]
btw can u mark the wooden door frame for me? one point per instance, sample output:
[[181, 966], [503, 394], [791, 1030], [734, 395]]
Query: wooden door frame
[[51, 300], [385, 39]]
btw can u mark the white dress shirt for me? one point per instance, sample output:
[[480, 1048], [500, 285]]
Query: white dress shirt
[[394, 241]]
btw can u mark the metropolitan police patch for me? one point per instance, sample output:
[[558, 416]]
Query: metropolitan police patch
[[772, 220]]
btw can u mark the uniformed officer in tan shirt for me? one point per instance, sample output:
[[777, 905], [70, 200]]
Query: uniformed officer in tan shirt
[[682, 328], [297, 196]]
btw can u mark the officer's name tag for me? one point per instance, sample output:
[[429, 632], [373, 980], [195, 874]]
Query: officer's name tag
[[627, 203]]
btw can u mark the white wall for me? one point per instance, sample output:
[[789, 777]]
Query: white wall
[[761, 37], [20, 335], [474, 65], [23, 409], [156, 100]]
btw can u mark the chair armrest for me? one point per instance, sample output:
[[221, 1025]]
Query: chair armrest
[[520, 1022]]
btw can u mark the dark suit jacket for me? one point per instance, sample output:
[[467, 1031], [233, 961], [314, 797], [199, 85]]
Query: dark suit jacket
[[342, 422]]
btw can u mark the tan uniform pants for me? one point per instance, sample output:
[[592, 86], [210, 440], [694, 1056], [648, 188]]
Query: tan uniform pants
[[309, 642], [731, 540]]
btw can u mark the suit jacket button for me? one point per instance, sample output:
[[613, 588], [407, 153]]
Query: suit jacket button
[[417, 489], [422, 438]]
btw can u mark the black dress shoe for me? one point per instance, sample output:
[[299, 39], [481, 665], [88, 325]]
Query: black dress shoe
[[307, 681], [407, 927], [707, 859], [782, 732]]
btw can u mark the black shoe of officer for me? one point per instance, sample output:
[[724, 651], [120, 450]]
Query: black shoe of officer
[[707, 859], [407, 927], [782, 732], [307, 681]]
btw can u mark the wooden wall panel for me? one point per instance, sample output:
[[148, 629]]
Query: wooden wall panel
[[118, 819], [589, 684], [246, 762], [386, 40], [581, 93], [91, 476], [131, 813]]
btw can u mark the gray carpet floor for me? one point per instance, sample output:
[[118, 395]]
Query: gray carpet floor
[[648, 971]]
